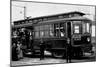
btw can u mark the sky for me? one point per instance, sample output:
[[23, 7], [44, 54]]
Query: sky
[[36, 9]]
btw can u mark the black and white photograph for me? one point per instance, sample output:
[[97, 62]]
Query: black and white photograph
[[44, 33]]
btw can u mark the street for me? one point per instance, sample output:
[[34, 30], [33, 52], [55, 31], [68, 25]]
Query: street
[[27, 61]]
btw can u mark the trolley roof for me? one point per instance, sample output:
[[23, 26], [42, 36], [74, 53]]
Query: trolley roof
[[68, 13], [61, 14], [80, 18], [22, 25]]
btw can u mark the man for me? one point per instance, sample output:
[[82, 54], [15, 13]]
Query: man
[[21, 36], [68, 51], [41, 49], [20, 52], [14, 52]]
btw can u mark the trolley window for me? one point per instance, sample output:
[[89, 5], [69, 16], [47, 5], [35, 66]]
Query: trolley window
[[62, 30], [41, 33], [86, 27], [36, 34], [51, 30], [56, 30], [46, 33], [59, 30], [77, 27]]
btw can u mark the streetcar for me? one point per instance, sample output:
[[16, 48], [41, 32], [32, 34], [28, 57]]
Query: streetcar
[[55, 30], [55, 33]]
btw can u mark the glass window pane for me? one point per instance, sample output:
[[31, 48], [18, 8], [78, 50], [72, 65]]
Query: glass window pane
[[46, 27], [56, 30], [87, 26], [84, 27], [41, 33], [51, 27], [51, 33], [46, 33], [36, 28], [76, 29], [41, 28], [62, 30], [62, 34], [56, 26], [37, 34]]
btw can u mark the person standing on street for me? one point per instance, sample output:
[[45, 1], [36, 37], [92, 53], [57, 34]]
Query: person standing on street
[[20, 52], [41, 50], [68, 51], [14, 46], [14, 52], [69, 44]]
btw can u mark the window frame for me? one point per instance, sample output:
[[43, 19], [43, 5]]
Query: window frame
[[85, 23], [78, 23]]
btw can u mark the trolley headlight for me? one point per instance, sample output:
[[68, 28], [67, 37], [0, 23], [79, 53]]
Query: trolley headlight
[[88, 39]]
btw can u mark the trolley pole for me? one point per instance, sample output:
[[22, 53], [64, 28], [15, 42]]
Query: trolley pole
[[24, 12], [24, 7]]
